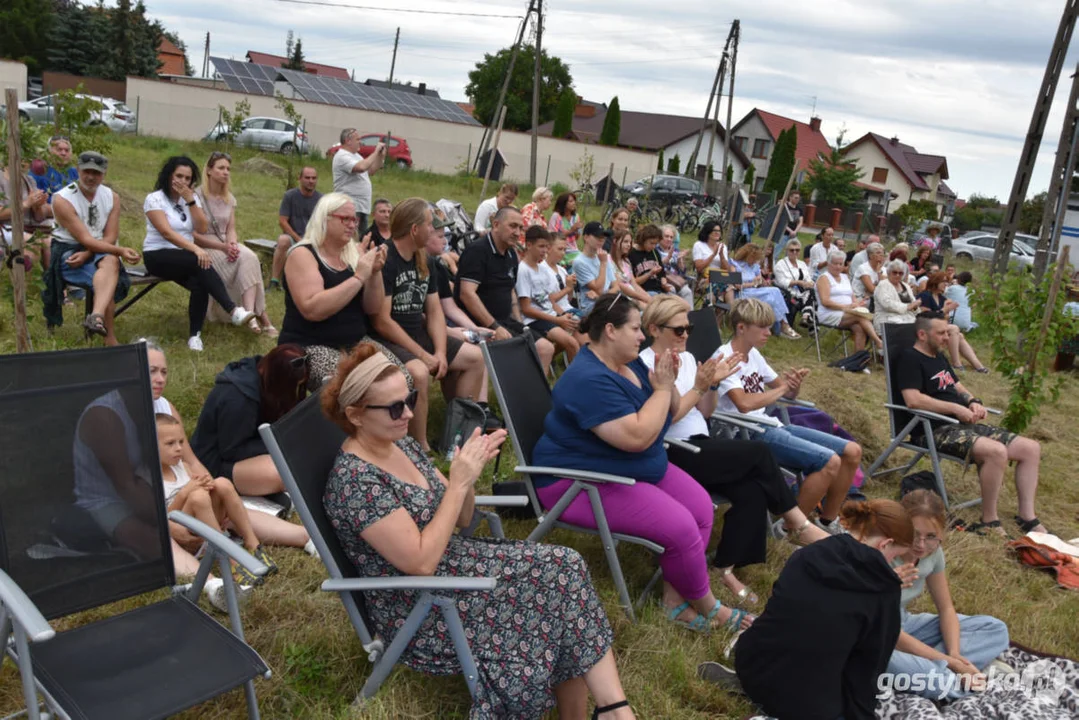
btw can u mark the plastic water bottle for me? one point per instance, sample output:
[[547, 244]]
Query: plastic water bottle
[[455, 447]]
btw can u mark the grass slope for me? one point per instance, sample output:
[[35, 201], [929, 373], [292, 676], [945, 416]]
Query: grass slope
[[317, 661]]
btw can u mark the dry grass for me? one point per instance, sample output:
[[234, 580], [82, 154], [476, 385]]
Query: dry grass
[[317, 661]]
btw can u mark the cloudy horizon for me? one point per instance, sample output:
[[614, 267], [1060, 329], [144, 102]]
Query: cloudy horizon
[[957, 79]]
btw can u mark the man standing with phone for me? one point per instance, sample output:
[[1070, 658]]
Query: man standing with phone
[[351, 173]]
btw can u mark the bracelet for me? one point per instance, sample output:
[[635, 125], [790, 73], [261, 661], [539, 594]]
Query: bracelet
[[973, 400], [494, 325]]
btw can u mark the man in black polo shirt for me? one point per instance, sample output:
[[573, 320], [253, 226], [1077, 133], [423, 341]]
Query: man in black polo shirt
[[486, 277], [929, 383]]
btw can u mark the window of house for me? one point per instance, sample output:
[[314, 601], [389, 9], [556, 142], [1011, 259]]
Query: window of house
[[760, 148], [758, 184], [740, 142], [880, 176]]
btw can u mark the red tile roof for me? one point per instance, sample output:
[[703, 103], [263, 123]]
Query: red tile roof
[[907, 160], [811, 143], [312, 67], [168, 47]]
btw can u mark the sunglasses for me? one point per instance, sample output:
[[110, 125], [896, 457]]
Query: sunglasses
[[397, 409], [794, 249], [180, 209], [92, 216], [680, 330], [59, 138], [217, 155]]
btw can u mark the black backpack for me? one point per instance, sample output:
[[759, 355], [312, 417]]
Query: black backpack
[[922, 480], [856, 362], [462, 418]]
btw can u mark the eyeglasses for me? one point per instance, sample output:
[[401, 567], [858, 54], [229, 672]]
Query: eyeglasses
[[927, 540], [680, 330], [397, 409], [793, 249], [298, 362], [91, 213], [347, 219]]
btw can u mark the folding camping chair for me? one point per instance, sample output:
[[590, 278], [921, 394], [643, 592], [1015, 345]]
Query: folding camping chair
[[303, 445], [79, 440], [912, 429], [819, 328]]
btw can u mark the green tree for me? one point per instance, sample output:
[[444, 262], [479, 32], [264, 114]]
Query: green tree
[[296, 59], [659, 165], [74, 118], [983, 202], [912, 214], [730, 172], [485, 82], [232, 121], [612, 124], [24, 32], [563, 119], [751, 173], [674, 165], [833, 177], [967, 218], [99, 41], [1030, 216], [779, 172]]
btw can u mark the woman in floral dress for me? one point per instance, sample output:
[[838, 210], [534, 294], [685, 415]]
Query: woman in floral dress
[[540, 638]]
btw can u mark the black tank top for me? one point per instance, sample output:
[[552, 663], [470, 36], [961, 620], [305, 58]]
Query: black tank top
[[341, 331]]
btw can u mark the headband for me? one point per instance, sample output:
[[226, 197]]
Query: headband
[[361, 378]]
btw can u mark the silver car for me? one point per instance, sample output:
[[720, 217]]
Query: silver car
[[265, 133], [981, 246], [113, 113]]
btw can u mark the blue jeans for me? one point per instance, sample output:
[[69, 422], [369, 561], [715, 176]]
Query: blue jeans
[[981, 640], [802, 448]]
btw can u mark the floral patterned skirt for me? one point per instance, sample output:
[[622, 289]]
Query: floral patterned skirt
[[541, 626]]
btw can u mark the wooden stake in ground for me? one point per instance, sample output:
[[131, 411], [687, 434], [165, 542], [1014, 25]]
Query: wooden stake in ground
[[1050, 308], [494, 152], [18, 270], [782, 202]]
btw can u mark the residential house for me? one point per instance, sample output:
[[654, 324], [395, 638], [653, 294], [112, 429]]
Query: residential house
[[895, 173], [756, 136], [655, 132], [170, 57], [314, 68]]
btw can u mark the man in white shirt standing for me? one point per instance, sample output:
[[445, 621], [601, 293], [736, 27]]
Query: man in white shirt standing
[[506, 196], [351, 173]]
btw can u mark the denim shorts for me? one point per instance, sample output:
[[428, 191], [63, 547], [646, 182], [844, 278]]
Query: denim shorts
[[82, 276], [801, 448]]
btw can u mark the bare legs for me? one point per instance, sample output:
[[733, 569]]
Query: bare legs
[[699, 606], [992, 459], [275, 531], [861, 328], [565, 342], [472, 373], [959, 349], [257, 476], [824, 484], [545, 349], [105, 278], [421, 381], [602, 681]]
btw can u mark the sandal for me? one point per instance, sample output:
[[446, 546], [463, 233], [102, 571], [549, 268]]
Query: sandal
[[745, 595], [698, 624], [95, 324], [1027, 525], [983, 370], [608, 708], [270, 331], [253, 326], [734, 622], [993, 526]]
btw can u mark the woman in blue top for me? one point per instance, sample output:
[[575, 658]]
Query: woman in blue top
[[934, 300], [748, 262], [609, 414]]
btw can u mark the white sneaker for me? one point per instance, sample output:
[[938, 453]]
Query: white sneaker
[[195, 342], [311, 550], [214, 589], [241, 315], [833, 528]]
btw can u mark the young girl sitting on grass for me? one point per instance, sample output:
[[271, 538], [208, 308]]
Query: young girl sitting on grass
[[947, 649], [213, 501]]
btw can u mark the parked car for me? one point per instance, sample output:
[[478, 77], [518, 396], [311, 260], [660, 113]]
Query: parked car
[[662, 188], [980, 246], [397, 150], [111, 112], [265, 133]]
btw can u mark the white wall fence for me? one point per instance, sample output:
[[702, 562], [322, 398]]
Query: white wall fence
[[12, 75]]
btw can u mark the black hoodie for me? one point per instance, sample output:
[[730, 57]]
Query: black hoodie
[[825, 636], [228, 427]]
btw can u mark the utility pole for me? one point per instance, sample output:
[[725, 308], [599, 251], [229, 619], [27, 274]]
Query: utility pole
[[505, 84], [1003, 251], [717, 84], [206, 58], [393, 63], [1056, 200], [715, 124], [537, 77], [736, 30]]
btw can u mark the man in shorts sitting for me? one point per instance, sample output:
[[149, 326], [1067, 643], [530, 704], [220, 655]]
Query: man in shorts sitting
[[296, 208], [929, 383], [487, 278]]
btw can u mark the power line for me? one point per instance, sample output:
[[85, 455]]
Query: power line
[[325, 3]]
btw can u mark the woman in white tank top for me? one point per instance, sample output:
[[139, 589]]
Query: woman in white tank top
[[836, 301]]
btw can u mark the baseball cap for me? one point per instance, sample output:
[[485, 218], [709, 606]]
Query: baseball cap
[[91, 160], [593, 228]]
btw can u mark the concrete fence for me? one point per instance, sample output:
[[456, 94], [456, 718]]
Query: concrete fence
[[12, 75]]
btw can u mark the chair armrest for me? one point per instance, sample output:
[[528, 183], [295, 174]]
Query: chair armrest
[[993, 411], [922, 413], [409, 582], [23, 610], [740, 418], [502, 500], [585, 475], [688, 447], [797, 401], [220, 542], [737, 421]]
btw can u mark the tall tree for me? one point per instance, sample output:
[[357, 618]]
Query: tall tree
[[833, 177], [99, 41], [782, 165], [659, 165], [485, 82], [612, 124], [289, 42], [24, 32], [563, 119], [296, 60], [751, 173]]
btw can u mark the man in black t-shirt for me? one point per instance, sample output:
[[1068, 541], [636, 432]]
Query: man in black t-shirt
[[410, 322], [380, 222], [487, 277], [928, 382]]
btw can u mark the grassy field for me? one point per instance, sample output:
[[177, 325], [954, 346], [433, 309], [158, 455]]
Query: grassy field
[[317, 661]]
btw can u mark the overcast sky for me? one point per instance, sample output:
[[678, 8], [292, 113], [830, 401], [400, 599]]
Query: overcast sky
[[951, 77]]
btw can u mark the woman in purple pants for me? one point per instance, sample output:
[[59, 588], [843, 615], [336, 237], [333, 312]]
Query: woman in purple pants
[[609, 415]]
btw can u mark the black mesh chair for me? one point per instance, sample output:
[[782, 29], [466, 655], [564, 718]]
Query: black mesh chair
[[912, 429], [303, 445], [83, 524], [525, 398], [705, 338]]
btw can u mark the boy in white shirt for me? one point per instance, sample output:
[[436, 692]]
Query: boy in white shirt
[[567, 281], [536, 283]]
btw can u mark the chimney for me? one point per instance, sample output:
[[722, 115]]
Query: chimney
[[422, 89], [895, 140], [814, 124]]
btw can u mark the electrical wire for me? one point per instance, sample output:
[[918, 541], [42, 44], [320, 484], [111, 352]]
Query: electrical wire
[[326, 3]]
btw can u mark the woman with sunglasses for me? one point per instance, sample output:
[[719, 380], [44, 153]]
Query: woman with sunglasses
[[540, 638], [331, 285], [743, 471], [236, 264], [793, 277], [609, 414], [173, 215], [894, 300]]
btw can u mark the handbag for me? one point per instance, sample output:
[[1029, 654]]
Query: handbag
[[462, 418]]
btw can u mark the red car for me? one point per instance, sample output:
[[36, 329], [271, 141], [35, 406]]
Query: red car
[[397, 147]]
